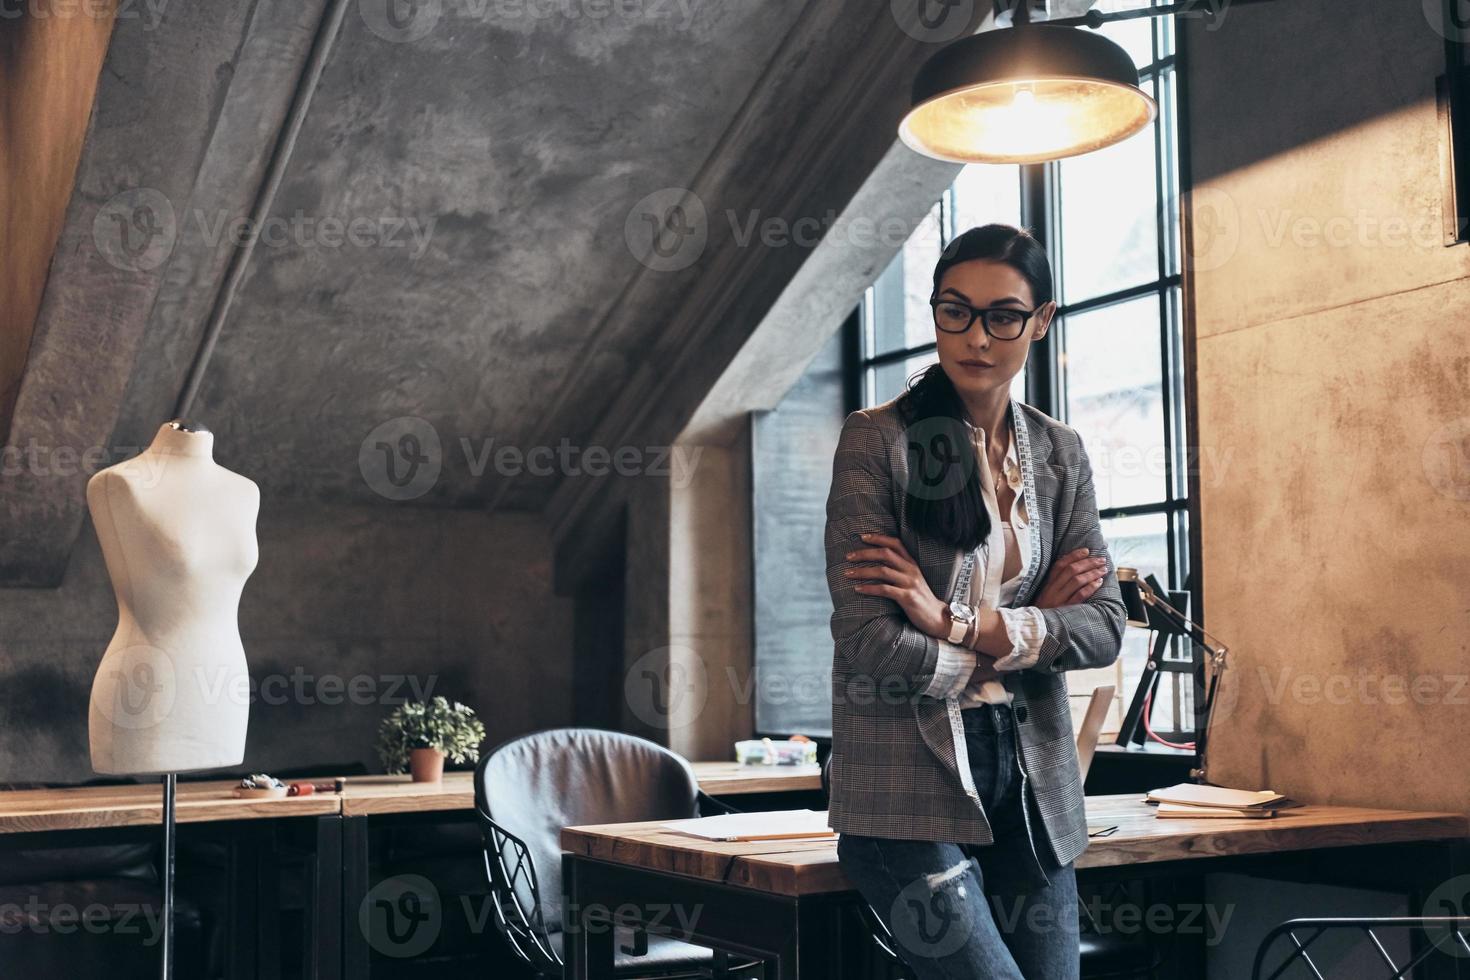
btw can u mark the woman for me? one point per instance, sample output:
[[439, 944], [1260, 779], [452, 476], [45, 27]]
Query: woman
[[951, 732]]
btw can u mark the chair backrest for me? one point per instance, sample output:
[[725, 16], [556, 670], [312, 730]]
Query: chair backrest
[[1092, 723], [535, 785]]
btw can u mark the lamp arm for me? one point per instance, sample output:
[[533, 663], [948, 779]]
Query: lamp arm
[[1184, 8], [1217, 651]]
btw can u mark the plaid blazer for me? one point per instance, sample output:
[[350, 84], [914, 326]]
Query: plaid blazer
[[899, 766]]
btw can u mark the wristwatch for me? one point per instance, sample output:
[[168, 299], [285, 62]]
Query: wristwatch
[[961, 617]]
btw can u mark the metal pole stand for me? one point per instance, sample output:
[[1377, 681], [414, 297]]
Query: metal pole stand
[[170, 791]]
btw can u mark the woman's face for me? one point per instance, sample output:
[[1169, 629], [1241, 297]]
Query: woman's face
[[975, 361]]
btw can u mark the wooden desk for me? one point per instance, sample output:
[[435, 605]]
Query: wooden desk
[[340, 870], [368, 795], [92, 807], [80, 815], [732, 778], [762, 897], [369, 800]]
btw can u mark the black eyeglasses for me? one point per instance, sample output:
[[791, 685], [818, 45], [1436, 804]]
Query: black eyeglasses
[[1000, 322]]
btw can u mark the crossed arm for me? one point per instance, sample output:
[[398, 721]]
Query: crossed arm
[[889, 626]]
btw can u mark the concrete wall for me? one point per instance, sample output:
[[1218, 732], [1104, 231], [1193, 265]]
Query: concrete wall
[[1333, 340], [1332, 334], [391, 599]]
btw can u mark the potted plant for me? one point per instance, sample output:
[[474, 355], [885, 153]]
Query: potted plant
[[419, 734]]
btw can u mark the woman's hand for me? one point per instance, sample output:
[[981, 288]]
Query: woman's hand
[[894, 575], [1073, 577]]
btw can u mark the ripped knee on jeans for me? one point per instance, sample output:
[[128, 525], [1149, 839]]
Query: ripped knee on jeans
[[939, 879]]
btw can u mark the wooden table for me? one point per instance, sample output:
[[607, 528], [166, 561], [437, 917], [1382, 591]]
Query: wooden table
[[79, 815], [339, 825], [92, 807], [732, 778], [367, 795], [98, 807], [775, 899], [396, 800]]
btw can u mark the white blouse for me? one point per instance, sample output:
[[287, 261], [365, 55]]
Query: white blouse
[[1024, 625]]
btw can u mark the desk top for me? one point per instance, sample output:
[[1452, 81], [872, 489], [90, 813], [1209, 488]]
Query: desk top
[[810, 867], [367, 795], [83, 807], [397, 794], [732, 778]]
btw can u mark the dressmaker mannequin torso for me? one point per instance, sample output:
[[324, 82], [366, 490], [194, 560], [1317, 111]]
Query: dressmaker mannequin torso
[[178, 535]]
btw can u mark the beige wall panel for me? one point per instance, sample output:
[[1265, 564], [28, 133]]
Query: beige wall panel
[[1336, 539]]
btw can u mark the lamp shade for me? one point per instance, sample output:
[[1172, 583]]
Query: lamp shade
[[1024, 95]]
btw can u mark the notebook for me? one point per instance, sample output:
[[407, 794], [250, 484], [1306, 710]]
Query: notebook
[[1194, 794]]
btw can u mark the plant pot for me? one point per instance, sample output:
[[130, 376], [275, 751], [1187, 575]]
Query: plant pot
[[427, 765]]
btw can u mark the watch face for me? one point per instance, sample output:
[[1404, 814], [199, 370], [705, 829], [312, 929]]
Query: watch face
[[961, 612]]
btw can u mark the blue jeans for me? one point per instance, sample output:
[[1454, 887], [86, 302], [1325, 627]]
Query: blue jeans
[[999, 911]]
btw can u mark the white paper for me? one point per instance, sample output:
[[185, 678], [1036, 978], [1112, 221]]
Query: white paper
[[1197, 795], [753, 826]]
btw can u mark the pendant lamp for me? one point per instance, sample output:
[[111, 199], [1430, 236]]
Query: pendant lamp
[[1025, 94]]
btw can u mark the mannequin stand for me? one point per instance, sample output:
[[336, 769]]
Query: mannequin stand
[[170, 791]]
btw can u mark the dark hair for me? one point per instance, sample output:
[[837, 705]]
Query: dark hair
[[944, 498]]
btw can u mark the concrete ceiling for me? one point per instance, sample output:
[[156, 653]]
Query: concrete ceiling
[[493, 165]]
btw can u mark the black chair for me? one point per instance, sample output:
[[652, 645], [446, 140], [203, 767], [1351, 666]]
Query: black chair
[[528, 789], [1444, 932], [1104, 956]]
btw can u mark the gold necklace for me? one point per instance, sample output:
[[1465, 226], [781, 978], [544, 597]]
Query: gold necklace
[[1002, 469]]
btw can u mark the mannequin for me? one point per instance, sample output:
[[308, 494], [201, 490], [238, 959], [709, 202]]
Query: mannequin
[[178, 535]]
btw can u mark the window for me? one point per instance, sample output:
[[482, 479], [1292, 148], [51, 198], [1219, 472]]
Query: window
[[1112, 365]]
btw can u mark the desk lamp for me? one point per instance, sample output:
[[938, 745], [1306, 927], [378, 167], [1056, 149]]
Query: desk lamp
[[1148, 609]]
